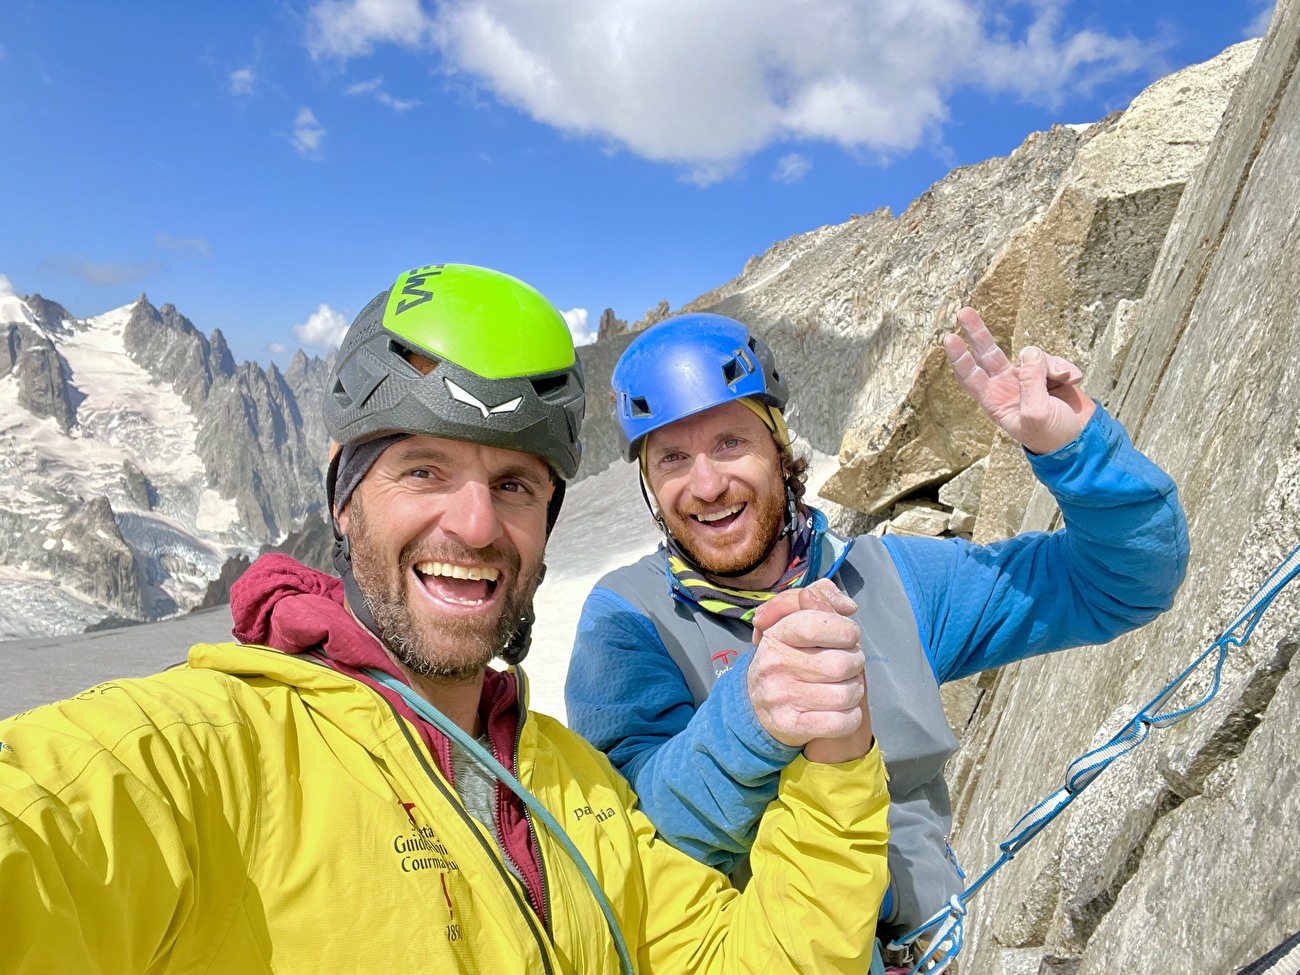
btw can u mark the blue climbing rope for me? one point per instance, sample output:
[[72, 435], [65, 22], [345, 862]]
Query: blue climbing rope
[[945, 927], [485, 758]]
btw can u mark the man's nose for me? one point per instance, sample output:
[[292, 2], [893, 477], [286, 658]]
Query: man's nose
[[707, 479], [470, 516]]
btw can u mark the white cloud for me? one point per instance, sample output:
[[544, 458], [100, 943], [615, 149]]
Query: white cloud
[[276, 348], [307, 134], [241, 81], [582, 332], [375, 87], [323, 329], [184, 245], [6, 287], [1259, 23], [99, 273], [704, 85], [346, 28], [791, 168]]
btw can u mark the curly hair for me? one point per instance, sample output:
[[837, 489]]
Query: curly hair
[[794, 470]]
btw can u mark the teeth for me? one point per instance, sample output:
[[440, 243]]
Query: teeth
[[451, 571], [719, 515], [465, 602]]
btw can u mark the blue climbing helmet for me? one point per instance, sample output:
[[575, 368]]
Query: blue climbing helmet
[[687, 364]]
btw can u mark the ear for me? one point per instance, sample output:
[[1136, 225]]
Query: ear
[[342, 518]]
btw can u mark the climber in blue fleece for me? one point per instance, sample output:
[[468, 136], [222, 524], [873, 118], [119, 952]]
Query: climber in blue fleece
[[701, 709]]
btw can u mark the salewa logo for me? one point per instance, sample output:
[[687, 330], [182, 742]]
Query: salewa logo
[[461, 396]]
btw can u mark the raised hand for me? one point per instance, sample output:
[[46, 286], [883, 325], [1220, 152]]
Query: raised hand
[[806, 679], [1037, 401]]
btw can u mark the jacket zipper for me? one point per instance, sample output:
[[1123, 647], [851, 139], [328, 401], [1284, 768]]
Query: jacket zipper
[[530, 918], [528, 816], [544, 909]]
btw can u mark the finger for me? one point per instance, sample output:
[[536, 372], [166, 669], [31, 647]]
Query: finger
[[969, 376], [839, 600], [804, 726], [774, 610], [777, 667], [809, 696], [1076, 399], [812, 629], [1062, 371], [822, 595], [988, 356]]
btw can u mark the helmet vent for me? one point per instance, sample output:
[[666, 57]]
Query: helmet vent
[[420, 362], [547, 386], [639, 406], [341, 395], [737, 367]]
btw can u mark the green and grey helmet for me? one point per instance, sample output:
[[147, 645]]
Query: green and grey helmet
[[456, 351]]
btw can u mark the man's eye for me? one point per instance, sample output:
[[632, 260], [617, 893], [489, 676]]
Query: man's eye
[[515, 487], [731, 443], [420, 472]]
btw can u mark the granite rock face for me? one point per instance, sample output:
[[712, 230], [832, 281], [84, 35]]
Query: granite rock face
[[45, 381], [1178, 858], [28, 351], [256, 442], [1096, 246], [1057, 284], [610, 325], [79, 546]]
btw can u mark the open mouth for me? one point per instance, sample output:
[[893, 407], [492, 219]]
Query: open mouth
[[460, 585], [719, 520]]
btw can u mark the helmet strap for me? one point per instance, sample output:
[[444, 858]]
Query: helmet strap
[[351, 591], [516, 647], [656, 515]]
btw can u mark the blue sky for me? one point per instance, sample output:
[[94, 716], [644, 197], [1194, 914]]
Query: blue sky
[[268, 167]]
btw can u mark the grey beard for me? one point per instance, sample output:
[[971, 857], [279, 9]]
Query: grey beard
[[399, 636]]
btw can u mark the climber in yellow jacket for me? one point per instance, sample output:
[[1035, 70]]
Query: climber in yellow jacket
[[325, 796]]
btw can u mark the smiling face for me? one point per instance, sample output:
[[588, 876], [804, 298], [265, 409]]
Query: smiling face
[[716, 476], [447, 541]]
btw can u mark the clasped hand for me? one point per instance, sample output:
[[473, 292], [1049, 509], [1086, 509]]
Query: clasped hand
[[806, 681]]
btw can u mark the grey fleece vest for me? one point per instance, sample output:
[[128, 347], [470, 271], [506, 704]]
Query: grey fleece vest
[[906, 715]]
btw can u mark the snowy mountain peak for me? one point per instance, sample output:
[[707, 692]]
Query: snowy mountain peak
[[13, 310], [136, 459]]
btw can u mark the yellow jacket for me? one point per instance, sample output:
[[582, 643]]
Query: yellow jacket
[[258, 812]]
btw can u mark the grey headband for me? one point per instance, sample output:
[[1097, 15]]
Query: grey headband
[[355, 460]]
